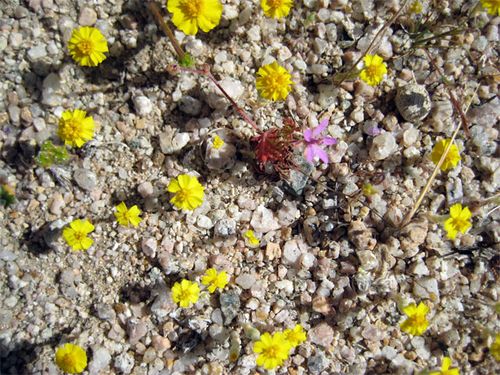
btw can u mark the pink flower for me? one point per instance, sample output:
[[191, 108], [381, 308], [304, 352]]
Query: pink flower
[[313, 142]]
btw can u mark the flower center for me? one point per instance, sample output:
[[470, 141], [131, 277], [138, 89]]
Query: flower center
[[69, 361], [183, 195], [372, 71], [71, 129], [275, 82], [459, 223], [185, 295], [85, 47], [271, 351], [191, 8], [79, 236], [274, 4], [417, 320]]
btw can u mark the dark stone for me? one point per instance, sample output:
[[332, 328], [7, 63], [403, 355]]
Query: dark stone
[[229, 305]]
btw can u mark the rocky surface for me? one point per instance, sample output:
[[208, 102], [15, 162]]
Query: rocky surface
[[329, 257]]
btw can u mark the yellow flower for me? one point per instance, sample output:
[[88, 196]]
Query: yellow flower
[[276, 8], [491, 6], [71, 358], [189, 15], [272, 350], [416, 7], [127, 216], [185, 293], [452, 158], [75, 129], [295, 336], [188, 192], [417, 322], [273, 82], [374, 70], [87, 46], [214, 280], [445, 368], [250, 236], [218, 142], [76, 234], [459, 221], [495, 348], [369, 190]]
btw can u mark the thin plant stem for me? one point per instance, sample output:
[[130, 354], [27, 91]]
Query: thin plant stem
[[206, 72], [453, 99], [427, 187], [153, 8]]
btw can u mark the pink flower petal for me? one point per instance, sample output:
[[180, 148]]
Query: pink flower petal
[[329, 141], [309, 152], [308, 135], [322, 126], [321, 154]]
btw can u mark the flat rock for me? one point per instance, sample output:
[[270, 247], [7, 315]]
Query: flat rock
[[86, 179], [322, 334]]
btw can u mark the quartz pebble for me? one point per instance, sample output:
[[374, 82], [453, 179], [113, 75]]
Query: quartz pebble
[[225, 228], [124, 363], [383, 146], [142, 105], [263, 220], [100, 360], [172, 142], [245, 280], [149, 246], [145, 189]]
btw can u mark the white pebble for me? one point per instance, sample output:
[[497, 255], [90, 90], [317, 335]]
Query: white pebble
[[142, 105]]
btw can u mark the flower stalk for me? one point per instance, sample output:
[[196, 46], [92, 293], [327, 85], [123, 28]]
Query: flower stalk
[[437, 168], [153, 8]]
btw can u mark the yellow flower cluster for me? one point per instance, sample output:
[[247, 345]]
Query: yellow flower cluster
[[452, 157], [251, 238], [458, 221], [127, 216], [188, 192], [217, 142], [75, 128], [273, 82], [374, 70], [186, 293], [87, 46], [71, 358], [76, 234], [416, 7], [213, 279], [369, 190], [273, 350], [276, 8], [417, 322], [191, 15]]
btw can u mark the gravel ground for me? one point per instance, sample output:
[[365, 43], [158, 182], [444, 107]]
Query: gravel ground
[[329, 258]]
